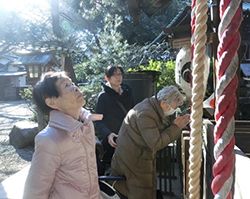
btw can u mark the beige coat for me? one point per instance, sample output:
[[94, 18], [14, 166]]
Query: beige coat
[[144, 131], [64, 163]]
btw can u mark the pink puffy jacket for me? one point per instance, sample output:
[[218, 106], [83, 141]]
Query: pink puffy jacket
[[64, 163]]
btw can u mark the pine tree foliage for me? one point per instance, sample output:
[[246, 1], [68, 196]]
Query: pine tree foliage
[[95, 33]]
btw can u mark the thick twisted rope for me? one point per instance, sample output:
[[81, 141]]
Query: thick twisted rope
[[198, 42], [229, 42]]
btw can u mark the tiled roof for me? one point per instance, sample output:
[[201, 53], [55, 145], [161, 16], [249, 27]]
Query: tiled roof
[[38, 59]]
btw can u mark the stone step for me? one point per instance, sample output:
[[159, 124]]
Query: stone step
[[12, 187]]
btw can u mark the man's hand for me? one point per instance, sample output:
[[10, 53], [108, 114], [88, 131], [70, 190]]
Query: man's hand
[[111, 139], [182, 121]]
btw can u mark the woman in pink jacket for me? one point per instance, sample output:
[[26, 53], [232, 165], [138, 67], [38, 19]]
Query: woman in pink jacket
[[64, 163]]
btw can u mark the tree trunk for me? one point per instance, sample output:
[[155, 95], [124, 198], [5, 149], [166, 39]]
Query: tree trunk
[[68, 67], [66, 59], [55, 18], [42, 119]]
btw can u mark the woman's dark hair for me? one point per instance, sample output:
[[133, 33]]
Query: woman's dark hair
[[110, 70], [46, 88]]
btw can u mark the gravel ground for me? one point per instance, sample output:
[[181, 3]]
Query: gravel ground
[[11, 159]]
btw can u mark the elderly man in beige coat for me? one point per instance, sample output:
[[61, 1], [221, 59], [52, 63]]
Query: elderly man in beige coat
[[146, 129]]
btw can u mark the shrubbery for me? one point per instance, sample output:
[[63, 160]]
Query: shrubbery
[[166, 68]]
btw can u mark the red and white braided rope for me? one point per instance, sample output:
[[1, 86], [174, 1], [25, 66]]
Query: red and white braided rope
[[229, 42]]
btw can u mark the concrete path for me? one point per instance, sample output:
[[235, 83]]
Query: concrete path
[[13, 111], [12, 160]]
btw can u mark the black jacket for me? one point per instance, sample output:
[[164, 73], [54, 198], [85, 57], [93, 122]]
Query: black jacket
[[109, 104]]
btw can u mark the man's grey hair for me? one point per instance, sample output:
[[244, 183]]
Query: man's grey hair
[[170, 94]]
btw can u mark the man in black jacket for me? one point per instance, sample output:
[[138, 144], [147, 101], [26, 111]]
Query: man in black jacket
[[113, 102]]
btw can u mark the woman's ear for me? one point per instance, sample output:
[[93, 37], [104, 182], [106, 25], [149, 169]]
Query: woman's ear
[[51, 102]]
